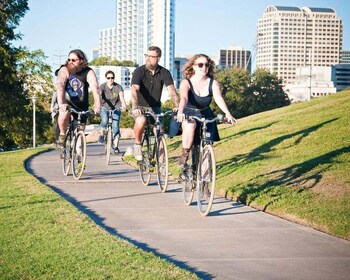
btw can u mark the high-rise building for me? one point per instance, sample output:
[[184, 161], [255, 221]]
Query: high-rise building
[[140, 24], [235, 56], [291, 37], [108, 43], [345, 57]]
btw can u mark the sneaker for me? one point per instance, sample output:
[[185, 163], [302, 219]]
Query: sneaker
[[115, 145], [116, 150], [100, 139], [138, 152]]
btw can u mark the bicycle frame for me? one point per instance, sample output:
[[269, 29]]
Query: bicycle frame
[[108, 138], [156, 151], [196, 177], [75, 149]]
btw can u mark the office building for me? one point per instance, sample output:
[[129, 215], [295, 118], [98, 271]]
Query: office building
[[140, 24], [235, 56], [108, 43], [341, 76], [345, 57], [292, 37]]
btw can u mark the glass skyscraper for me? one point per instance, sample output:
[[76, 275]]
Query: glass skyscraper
[[140, 24]]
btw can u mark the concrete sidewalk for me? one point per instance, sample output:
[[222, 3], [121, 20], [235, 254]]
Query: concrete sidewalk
[[233, 242]]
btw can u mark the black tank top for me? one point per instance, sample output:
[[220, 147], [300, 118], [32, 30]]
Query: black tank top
[[199, 102], [77, 89]]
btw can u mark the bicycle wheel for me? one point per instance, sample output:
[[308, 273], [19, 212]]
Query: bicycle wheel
[[66, 154], [108, 145], [144, 165], [206, 176], [162, 164], [79, 155], [188, 176]]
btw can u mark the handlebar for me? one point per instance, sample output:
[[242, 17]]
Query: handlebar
[[162, 114], [219, 118], [87, 113]]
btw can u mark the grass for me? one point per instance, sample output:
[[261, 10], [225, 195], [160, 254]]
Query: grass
[[293, 162], [42, 236]]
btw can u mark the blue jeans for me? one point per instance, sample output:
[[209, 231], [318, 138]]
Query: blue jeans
[[115, 123]]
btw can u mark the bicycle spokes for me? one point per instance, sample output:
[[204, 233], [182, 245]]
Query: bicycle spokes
[[206, 176]]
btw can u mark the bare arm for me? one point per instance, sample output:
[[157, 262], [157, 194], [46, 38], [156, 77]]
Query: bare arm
[[93, 85], [135, 89], [173, 95], [219, 100], [184, 87], [61, 81], [122, 99]]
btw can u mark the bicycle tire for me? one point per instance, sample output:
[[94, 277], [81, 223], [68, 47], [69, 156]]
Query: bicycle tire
[[188, 185], [162, 164], [144, 164], [108, 146], [67, 153], [79, 155], [206, 178]]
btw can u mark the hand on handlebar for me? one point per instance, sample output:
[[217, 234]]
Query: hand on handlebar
[[180, 117], [230, 119], [136, 112], [97, 110]]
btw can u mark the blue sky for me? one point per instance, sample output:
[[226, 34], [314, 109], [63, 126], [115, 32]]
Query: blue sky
[[204, 26]]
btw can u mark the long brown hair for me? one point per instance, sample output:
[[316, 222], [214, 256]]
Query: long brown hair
[[188, 71]]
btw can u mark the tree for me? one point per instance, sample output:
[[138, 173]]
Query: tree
[[13, 103], [247, 94], [21, 73], [102, 61]]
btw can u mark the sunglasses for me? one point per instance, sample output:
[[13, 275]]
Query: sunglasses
[[110, 78], [200, 65], [151, 56], [73, 59]]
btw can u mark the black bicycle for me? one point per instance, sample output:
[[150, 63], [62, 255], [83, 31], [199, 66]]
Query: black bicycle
[[154, 151], [108, 137], [200, 172], [74, 153]]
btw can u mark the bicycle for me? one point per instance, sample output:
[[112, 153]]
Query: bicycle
[[74, 153], [200, 173], [108, 137], [156, 156]]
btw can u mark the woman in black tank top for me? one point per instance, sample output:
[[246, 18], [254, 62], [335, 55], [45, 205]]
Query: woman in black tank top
[[196, 93]]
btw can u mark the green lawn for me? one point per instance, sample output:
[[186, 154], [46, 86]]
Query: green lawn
[[42, 236], [293, 162]]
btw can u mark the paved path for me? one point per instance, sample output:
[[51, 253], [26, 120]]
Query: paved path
[[234, 242]]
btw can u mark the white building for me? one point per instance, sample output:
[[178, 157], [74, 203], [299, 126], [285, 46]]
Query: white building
[[311, 82], [122, 74], [235, 56], [140, 24], [291, 37]]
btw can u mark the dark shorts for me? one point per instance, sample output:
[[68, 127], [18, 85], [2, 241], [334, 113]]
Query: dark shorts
[[154, 110], [212, 129]]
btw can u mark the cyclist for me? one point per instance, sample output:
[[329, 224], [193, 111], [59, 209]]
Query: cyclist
[[74, 78], [196, 93], [147, 85], [112, 95]]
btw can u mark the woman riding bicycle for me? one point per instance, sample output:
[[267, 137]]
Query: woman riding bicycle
[[112, 95], [196, 93]]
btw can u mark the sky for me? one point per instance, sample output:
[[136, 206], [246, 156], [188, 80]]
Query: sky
[[201, 26]]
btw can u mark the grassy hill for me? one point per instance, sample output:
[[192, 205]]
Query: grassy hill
[[43, 236], [293, 162]]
